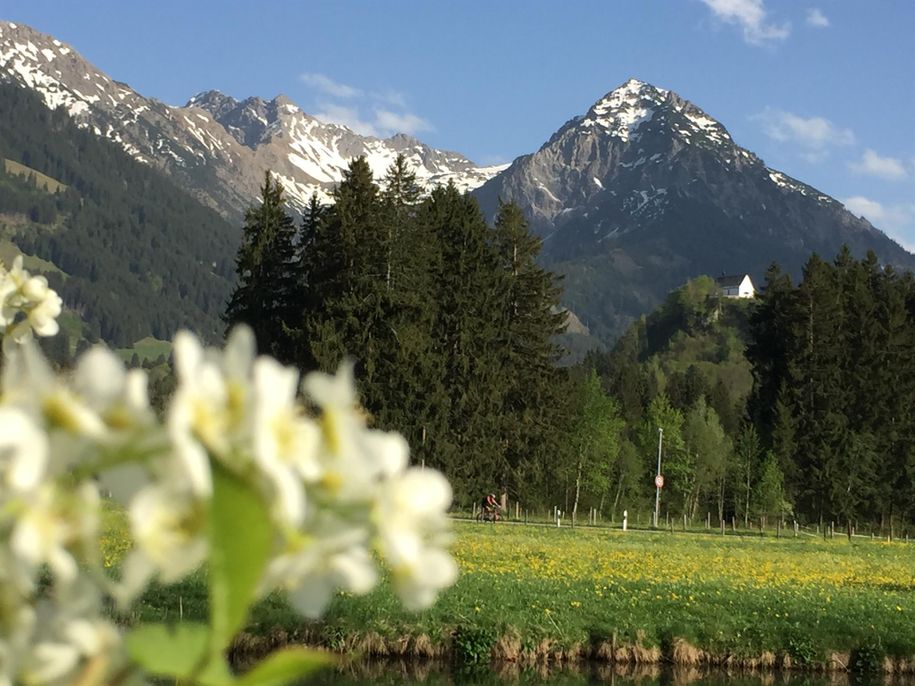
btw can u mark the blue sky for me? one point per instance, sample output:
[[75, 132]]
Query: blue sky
[[823, 90]]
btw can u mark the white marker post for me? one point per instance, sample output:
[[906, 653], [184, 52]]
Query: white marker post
[[625, 519], [658, 480]]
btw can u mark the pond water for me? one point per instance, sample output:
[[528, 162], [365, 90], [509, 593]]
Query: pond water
[[438, 674]]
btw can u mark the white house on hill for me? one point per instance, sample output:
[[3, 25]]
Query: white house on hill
[[736, 286]]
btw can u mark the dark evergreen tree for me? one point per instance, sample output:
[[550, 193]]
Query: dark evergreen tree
[[310, 276], [467, 441], [399, 198], [771, 334], [265, 295], [529, 320]]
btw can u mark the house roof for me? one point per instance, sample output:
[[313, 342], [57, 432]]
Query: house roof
[[730, 281]]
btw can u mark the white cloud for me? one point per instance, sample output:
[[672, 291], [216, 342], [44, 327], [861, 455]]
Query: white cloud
[[816, 18], [381, 124], [347, 116], [328, 86], [873, 165], [897, 220], [889, 217], [749, 15], [865, 207], [378, 113], [392, 98], [814, 133], [403, 122]]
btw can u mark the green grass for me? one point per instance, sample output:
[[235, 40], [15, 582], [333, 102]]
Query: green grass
[[9, 251], [148, 349], [42, 181], [727, 595]]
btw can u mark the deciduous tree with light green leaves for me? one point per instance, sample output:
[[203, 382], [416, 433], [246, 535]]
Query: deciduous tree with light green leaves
[[595, 440], [677, 464]]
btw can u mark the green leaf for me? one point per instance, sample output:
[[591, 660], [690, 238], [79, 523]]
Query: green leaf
[[168, 650], [284, 667], [216, 673], [240, 540]]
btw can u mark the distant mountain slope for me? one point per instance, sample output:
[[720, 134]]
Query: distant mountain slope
[[646, 191], [131, 253], [216, 146]]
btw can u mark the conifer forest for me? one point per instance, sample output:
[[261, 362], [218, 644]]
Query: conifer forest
[[794, 405]]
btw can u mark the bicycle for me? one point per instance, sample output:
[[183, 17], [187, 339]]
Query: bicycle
[[489, 515]]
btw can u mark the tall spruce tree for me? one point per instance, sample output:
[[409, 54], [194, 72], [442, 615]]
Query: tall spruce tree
[[399, 198], [468, 440], [413, 388], [529, 320], [348, 279], [311, 274], [264, 296]]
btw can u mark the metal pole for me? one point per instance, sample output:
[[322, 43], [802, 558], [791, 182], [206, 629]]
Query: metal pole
[[657, 495]]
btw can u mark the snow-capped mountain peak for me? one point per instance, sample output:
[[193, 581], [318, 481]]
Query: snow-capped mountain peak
[[646, 190], [624, 109], [217, 144]]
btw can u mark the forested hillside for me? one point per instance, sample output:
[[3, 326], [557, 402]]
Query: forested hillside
[[793, 405], [129, 252]]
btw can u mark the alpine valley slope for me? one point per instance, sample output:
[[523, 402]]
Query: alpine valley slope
[[646, 191], [215, 146]]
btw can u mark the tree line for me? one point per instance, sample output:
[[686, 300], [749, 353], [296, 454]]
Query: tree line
[[834, 371], [450, 322], [792, 406], [789, 406]]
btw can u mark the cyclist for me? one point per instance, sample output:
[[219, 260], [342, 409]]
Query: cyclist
[[489, 508]]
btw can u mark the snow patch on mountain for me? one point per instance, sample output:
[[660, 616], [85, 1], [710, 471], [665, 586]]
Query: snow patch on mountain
[[231, 142], [622, 111]]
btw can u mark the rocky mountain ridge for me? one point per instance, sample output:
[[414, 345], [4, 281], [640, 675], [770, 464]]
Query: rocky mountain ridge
[[216, 146], [639, 194]]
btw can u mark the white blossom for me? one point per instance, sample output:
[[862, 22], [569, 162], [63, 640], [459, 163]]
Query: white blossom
[[27, 304], [168, 526], [284, 441], [209, 412], [69, 632], [348, 471], [57, 528], [411, 515], [23, 450], [337, 491], [335, 557], [119, 397]]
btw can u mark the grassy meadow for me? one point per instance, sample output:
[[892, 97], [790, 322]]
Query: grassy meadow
[[538, 591]]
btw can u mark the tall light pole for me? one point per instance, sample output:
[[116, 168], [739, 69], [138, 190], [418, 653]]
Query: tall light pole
[[657, 480]]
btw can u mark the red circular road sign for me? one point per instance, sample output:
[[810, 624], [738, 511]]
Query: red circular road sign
[[659, 481]]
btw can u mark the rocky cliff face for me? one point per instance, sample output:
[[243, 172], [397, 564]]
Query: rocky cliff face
[[215, 146]]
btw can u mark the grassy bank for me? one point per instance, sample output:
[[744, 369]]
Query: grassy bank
[[541, 592]]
